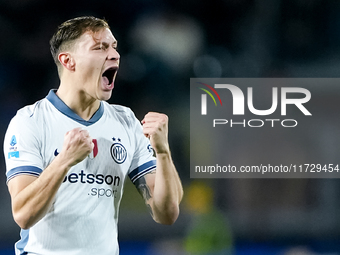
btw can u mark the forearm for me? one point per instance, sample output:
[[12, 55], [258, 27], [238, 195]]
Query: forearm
[[32, 197], [166, 188], [168, 191], [32, 203]]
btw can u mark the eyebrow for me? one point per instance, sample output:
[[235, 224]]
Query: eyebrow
[[105, 43]]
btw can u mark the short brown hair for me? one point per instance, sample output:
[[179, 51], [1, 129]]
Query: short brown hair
[[71, 30]]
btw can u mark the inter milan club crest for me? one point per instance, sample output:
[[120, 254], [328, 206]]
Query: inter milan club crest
[[118, 151]]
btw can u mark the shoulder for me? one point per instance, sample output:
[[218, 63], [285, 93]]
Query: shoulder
[[24, 127], [123, 110], [29, 113], [121, 113]]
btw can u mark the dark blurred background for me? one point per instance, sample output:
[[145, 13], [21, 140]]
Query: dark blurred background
[[163, 44]]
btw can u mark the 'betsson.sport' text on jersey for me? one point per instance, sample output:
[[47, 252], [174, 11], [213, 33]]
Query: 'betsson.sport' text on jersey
[[83, 217]]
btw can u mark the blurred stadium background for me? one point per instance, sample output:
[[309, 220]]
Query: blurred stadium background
[[162, 44]]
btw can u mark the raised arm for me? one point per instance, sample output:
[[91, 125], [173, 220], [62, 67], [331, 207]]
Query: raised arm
[[162, 189], [31, 196]]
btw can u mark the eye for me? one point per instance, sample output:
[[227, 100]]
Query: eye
[[101, 47]]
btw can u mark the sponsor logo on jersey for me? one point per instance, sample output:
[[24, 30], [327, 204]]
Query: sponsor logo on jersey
[[108, 184], [91, 178], [13, 154], [93, 153]]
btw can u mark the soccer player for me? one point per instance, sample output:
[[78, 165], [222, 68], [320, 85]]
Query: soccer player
[[68, 155]]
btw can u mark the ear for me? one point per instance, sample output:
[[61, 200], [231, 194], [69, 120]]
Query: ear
[[67, 61]]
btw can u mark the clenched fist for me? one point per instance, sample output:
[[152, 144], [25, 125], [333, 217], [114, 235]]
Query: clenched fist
[[77, 145], [155, 127]]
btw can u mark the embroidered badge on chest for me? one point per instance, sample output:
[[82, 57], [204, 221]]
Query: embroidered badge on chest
[[118, 151]]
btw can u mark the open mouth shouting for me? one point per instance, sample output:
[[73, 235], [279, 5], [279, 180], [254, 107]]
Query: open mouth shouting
[[108, 76]]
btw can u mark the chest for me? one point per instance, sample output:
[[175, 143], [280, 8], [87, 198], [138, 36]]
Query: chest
[[114, 146]]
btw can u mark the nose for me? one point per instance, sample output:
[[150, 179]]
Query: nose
[[113, 54]]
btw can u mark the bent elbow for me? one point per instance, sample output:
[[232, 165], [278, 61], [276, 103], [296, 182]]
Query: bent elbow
[[169, 221], [22, 221], [168, 217]]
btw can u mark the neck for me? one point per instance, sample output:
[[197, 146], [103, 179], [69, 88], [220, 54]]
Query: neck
[[79, 101]]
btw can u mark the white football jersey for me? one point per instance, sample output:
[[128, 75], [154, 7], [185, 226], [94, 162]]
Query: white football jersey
[[83, 217]]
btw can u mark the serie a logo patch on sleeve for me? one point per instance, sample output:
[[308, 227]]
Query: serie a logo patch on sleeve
[[13, 148]]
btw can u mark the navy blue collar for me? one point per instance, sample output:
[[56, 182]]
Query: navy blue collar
[[64, 109]]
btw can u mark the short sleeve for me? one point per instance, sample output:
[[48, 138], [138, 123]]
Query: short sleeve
[[22, 147], [143, 161]]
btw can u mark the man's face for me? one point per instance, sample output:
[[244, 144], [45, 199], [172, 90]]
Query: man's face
[[96, 63]]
